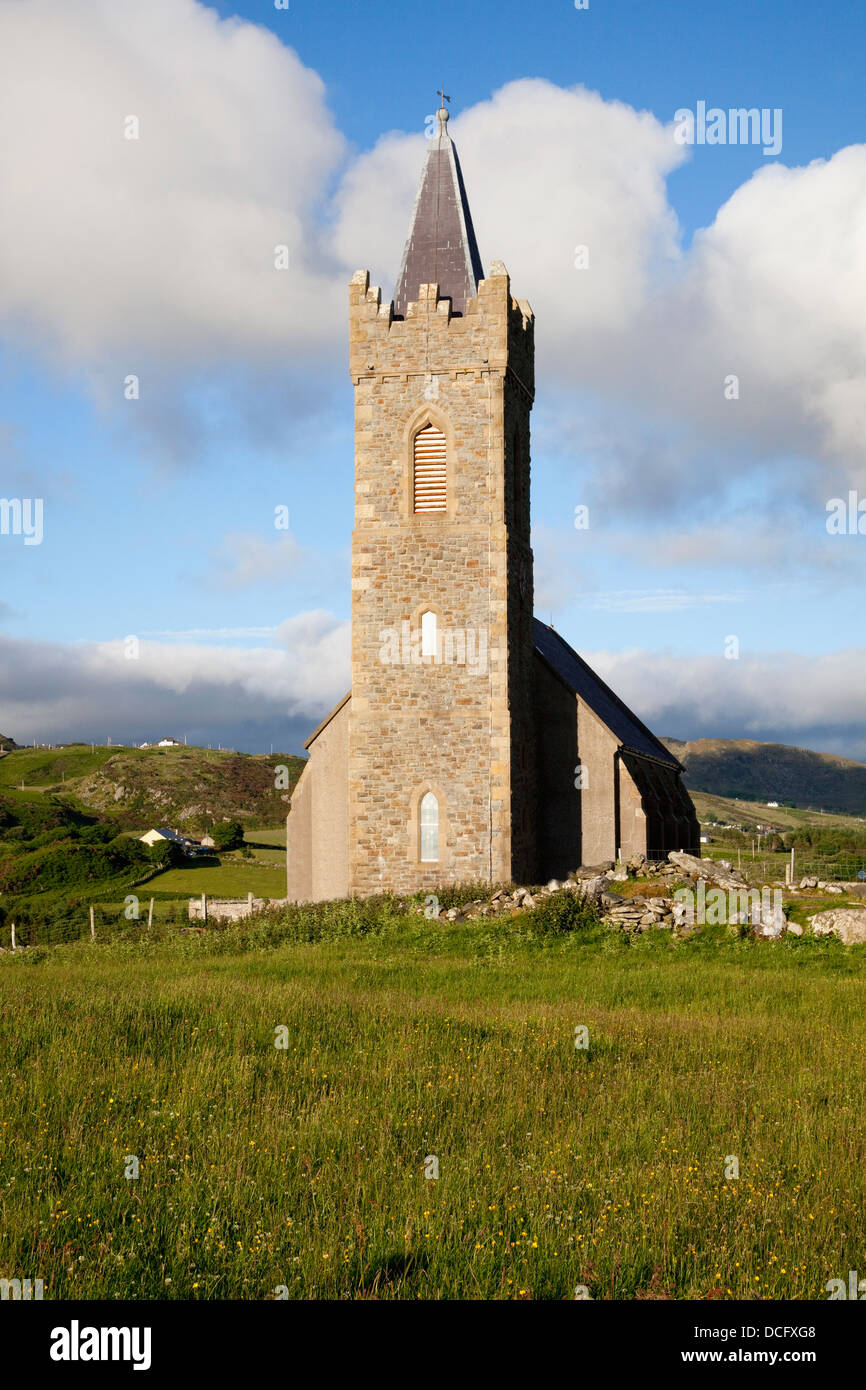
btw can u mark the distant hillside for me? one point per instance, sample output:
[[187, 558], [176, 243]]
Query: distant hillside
[[6, 743], [186, 788], [749, 771]]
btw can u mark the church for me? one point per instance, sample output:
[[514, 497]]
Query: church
[[475, 744]]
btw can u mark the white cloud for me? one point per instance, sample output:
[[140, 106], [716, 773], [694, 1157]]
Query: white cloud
[[53, 691], [774, 292], [579, 171], [774, 696], [155, 256], [119, 252]]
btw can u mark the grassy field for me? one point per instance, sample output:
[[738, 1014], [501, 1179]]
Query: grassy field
[[233, 878], [275, 838], [304, 1166], [38, 768], [737, 812]]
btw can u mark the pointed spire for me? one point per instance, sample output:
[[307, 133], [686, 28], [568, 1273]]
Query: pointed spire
[[441, 248]]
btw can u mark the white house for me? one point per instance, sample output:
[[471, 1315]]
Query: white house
[[190, 847], [151, 837]]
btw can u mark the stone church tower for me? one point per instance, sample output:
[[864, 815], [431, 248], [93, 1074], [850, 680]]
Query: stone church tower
[[454, 757], [441, 541]]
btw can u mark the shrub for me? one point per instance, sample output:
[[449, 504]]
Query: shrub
[[99, 834], [166, 854], [457, 894], [560, 913], [68, 864], [312, 922], [228, 834]]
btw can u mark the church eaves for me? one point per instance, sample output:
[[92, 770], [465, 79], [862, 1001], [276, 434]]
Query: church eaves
[[441, 248]]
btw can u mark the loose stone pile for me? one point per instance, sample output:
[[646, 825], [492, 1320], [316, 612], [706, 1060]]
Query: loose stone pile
[[637, 912], [504, 901], [823, 887]]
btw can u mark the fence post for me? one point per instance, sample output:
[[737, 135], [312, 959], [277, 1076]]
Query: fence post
[[249, 904], [204, 907], [13, 936], [150, 914], [92, 924]]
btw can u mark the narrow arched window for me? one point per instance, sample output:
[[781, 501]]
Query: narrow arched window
[[429, 487], [428, 634], [429, 822]]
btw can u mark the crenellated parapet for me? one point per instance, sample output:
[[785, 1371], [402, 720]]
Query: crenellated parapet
[[495, 335]]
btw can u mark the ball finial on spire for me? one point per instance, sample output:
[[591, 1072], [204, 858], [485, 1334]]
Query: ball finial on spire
[[442, 113]]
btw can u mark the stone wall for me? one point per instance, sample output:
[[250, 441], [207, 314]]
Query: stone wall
[[299, 839], [229, 909], [317, 838]]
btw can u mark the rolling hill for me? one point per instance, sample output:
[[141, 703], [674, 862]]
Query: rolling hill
[[746, 770], [187, 788]]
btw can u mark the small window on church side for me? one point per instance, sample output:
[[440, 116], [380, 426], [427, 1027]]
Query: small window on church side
[[429, 829], [428, 634], [428, 464]]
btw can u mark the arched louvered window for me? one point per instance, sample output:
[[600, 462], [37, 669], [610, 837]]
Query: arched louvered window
[[429, 827], [429, 479]]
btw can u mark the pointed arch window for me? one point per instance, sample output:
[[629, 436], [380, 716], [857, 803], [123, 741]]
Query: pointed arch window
[[428, 634], [429, 474], [429, 829]]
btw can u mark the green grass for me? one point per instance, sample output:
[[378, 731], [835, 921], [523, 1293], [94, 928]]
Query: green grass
[[268, 846], [276, 838], [304, 1167], [38, 768], [232, 878], [739, 812]]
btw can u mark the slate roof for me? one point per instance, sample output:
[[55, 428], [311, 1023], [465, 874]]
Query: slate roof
[[441, 247], [582, 680]]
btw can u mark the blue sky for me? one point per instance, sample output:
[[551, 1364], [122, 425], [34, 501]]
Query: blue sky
[[708, 517]]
